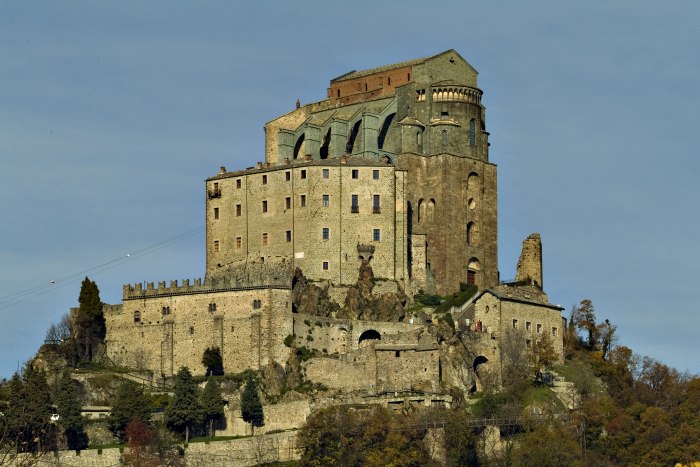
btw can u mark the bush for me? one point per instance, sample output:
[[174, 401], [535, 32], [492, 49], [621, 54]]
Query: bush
[[289, 340]]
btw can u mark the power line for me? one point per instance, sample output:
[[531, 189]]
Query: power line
[[42, 289]]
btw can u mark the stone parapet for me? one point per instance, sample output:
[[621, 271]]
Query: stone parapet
[[223, 284]]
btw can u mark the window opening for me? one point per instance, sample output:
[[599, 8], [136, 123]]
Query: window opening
[[216, 213], [216, 245], [238, 210], [325, 265], [355, 206], [326, 200], [326, 173], [137, 316], [303, 201], [376, 204], [264, 206], [376, 235], [375, 174], [264, 239], [355, 173], [303, 173], [287, 176], [289, 235], [288, 202], [212, 307], [264, 179], [325, 233]]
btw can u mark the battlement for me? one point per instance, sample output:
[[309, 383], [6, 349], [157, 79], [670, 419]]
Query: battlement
[[221, 284]]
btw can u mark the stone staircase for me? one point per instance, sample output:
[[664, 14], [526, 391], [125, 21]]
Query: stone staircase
[[565, 391]]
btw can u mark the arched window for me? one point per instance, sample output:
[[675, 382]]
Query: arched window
[[367, 336], [472, 234], [419, 141], [431, 210], [472, 269], [137, 316], [421, 210], [472, 129]]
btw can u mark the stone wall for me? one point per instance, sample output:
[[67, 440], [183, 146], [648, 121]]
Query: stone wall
[[167, 328], [529, 269]]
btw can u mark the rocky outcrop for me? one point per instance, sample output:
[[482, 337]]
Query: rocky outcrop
[[310, 299]]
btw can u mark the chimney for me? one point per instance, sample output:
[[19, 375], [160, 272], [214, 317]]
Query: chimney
[[222, 170]]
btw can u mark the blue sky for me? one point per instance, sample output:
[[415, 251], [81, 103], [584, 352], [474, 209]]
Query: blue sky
[[113, 113]]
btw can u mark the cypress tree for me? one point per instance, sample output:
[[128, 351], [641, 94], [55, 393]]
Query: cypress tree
[[90, 321], [212, 405], [70, 420], [213, 361], [251, 407], [38, 433], [184, 411]]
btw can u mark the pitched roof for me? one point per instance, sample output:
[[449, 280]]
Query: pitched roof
[[523, 294], [358, 74]]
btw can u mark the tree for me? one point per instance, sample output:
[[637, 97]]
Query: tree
[[606, 331], [584, 319], [212, 405], [544, 352], [184, 411], [68, 408], [149, 447], [213, 361], [251, 407], [90, 321], [129, 402]]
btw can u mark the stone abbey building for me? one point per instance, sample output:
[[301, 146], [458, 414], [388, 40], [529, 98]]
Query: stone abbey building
[[391, 170]]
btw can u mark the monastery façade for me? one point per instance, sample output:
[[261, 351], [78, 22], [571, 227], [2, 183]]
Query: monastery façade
[[380, 191]]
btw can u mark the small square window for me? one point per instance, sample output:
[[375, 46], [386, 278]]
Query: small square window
[[375, 174], [288, 203], [216, 213], [238, 210], [355, 173], [166, 310], [264, 206], [303, 201], [376, 235], [325, 265], [212, 307], [303, 173], [326, 173], [264, 179], [288, 235], [326, 200], [325, 233], [287, 176], [239, 242], [216, 245], [238, 183]]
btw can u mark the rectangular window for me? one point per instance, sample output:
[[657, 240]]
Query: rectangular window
[[264, 239], [539, 329], [238, 210], [287, 176], [238, 183], [264, 206], [326, 173], [216, 213], [375, 174], [528, 343], [376, 204], [216, 245], [554, 331], [355, 173], [326, 233], [239, 242], [376, 235], [264, 179], [355, 205], [166, 310], [515, 324], [212, 307], [303, 173], [326, 200], [288, 203], [528, 325], [325, 265], [289, 235], [303, 201]]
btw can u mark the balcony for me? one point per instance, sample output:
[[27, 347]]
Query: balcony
[[214, 193]]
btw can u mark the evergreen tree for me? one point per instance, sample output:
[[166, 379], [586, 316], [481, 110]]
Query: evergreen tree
[[90, 321], [212, 405], [184, 411], [213, 361], [129, 402], [584, 317], [251, 407], [29, 411], [70, 420]]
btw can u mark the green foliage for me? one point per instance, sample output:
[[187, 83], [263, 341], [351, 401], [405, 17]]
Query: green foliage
[[90, 321], [185, 410], [212, 405], [213, 361], [289, 340], [457, 299], [68, 408], [304, 353], [251, 407], [159, 401], [129, 402], [428, 300]]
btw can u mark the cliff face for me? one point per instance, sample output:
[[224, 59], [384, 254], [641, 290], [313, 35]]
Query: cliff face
[[360, 302]]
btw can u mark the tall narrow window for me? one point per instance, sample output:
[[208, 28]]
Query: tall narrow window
[[303, 173], [444, 136], [326, 233], [137, 316], [238, 210], [376, 204], [355, 173], [216, 245], [302, 201], [376, 235], [326, 173], [264, 239], [264, 206], [325, 265], [355, 205], [375, 174], [239, 242], [264, 179], [289, 235], [216, 213], [472, 130], [326, 200], [288, 203], [238, 183], [287, 176]]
